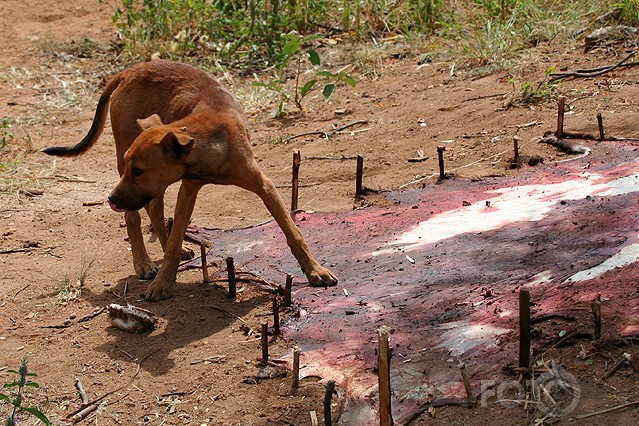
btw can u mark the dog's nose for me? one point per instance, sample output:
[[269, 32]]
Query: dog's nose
[[114, 206]]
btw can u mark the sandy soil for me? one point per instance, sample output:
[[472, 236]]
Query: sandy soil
[[64, 254]]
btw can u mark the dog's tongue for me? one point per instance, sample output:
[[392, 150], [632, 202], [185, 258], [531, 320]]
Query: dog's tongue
[[115, 207]]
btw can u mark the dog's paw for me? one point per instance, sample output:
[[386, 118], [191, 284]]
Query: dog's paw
[[158, 291], [145, 270], [321, 277], [187, 253]]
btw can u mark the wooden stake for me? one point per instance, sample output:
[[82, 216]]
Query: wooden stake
[[295, 182], [560, 117], [205, 266], [524, 328], [276, 316], [601, 128], [596, 312], [264, 343], [231, 275], [516, 148], [440, 157], [328, 397], [469, 389], [169, 226], [288, 301], [359, 176], [296, 370], [383, 360]]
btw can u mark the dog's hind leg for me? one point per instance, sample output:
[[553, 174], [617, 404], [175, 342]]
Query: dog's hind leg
[[256, 181], [144, 267]]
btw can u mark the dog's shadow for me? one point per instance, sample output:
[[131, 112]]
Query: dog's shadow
[[195, 312]]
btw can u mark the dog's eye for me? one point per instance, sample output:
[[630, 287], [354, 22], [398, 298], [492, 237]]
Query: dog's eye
[[136, 171]]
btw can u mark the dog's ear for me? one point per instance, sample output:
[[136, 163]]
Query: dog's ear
[[151, 121], [177, 145]]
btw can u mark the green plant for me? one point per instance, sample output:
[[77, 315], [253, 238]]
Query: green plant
[[72, 290], [530, 94], [628, 11], [294, 49], [6, 135], [22, 383]]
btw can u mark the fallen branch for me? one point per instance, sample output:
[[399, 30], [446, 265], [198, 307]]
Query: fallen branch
[[81, 392], [19, 291], [15, 250], [594, 72], [224, 311], [95, 313], [327, 135], [86, 409], [625, 358], [607, 410], [212, 358]]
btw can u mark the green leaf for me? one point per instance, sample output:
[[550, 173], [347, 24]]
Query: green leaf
[[562, 333], [345, 78], [11, 385], [328, 91], [32, 384], [291, 47], [314, 57], [259, 84], [35, 412], [326, 74], [4, 397], [307, 87], [311, 38]]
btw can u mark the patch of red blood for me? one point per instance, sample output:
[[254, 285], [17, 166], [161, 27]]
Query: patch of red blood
[[455, 299]]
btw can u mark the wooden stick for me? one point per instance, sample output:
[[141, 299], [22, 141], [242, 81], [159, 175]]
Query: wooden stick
[[516, 148], [205, 266], [384, 355], [467, 387], [295, 181], [328, 396], [359, 176], [440, 157], [276, 316], [264, 343], [81, 392], [524, 328], [296, 370], [231, 274], [601, 127], [596, 312], [625, 358], [288, 301], [607, 410], [561, 103], [82, 414]]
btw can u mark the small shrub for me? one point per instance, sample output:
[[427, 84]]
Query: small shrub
[[294, 49], [16, 401]]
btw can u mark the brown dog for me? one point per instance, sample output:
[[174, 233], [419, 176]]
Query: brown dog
[[173, 122]]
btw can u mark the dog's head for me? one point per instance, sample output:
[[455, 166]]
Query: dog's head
[[155, 160]]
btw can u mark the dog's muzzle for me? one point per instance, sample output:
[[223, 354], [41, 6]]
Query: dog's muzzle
[[115, 207]]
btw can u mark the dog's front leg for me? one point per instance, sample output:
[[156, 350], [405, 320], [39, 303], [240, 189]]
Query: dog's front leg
[[259, 183], [144, 267], [155, 210], [163, 284]]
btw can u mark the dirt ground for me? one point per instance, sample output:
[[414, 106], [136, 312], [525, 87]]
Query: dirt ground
[[63, 252]]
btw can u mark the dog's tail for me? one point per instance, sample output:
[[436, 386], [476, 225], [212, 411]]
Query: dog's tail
[[96, 127]]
